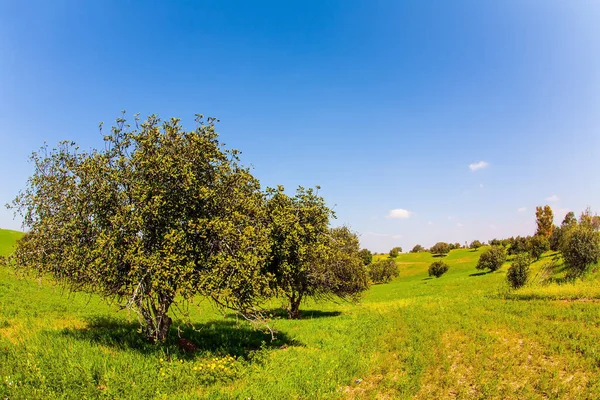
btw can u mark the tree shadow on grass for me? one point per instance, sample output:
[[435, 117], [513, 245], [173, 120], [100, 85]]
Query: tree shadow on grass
[[439, 255], [304, 314], [427, 279], [221, 337], [480, 273]]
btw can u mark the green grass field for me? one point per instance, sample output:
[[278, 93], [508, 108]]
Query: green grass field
[[460, 336]]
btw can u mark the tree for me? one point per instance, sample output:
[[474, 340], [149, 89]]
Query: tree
[[159, 214], [438, 269], [307, 258], [366, 256], [580, 249], [569, 220], [518, 245], [556, 237], [538, 245], [395, 251], [492, 259], [518, 272], [417, 249], [544, 220], [590, 220], [440, 248], [495, 242], [383, 271], [475, 244]]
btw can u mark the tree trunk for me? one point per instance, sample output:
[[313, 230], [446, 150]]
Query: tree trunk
[[156, 319], [294, 308]]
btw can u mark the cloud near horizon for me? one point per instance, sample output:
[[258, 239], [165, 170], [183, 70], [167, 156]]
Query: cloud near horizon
[[475, 166], [399, 213], [521, 209], [552, 198]]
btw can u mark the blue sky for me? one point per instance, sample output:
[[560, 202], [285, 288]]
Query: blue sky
[[384, 104]]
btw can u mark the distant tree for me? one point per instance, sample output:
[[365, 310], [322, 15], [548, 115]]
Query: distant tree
[[367, 256], [395, 251], [457, 245], [438, 269], [569, 220], [544, 220], [440, 248], [537, 246], [495, 242], [580, 249], [417, 249], [157, 215], [307, 258], [590, 220], [492, 259], [519, 245], [383, 271], [475, 244], [518, 272]]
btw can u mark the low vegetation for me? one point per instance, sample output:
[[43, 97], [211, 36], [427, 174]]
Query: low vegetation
[[383, 271], [438, 269], [492, 259]]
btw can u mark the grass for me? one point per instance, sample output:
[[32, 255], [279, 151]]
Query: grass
[[460, 336]]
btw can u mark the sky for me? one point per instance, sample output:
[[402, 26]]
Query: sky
[[422, 121]]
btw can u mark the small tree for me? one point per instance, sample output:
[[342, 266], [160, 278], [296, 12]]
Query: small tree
[[438, 269], [569, 220], [383, 271], [590, 220], [395, 251], [367, 256], [475, 244], [518, 245], [307, 258], [537, 246], [440, 248], [544, 221], [518, 272], [417, 249], [492, 259], [158, 214], [580, 249]]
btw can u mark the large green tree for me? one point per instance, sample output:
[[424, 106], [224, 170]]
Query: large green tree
[[544, 219], [308, 259], [158, 214]]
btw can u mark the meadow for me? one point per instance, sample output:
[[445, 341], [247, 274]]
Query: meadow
[[464, 335]]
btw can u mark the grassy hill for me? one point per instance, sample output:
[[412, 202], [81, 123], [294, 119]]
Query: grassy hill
[[460, 336]]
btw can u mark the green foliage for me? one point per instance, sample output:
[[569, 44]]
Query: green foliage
[[569, 220], [438, 269], [383, 271], [440, 248], [544, 220], [580, 249], [475, 244], [518, 272], [366, 256], [158, 214], [492, 259], [538, 245], [518, 245], [589, 220], [417, 249], [395, 251], [307, 258], [556, 237], [496, 242]]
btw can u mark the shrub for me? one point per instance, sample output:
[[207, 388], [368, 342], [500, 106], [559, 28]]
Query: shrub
[[580, 249], [367, 256], [518, 273], [475, 244], [383, 271], [492, 259], [440, 248], [538, 245], [395, 251], [438, 269], [417, 249]]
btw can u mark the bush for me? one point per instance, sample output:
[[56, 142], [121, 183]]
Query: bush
[[518, 273], [438, 269], [395, 251], [440, 248], [475, 244], [580, 249], [492, 259], [417, 249], [383, 271], [538, 245], [366, 256]]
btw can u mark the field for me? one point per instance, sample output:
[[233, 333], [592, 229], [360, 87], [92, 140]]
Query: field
[[463, 335]]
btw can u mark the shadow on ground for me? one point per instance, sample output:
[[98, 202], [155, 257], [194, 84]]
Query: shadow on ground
[[480, 273], [304, 314], [223, 337]]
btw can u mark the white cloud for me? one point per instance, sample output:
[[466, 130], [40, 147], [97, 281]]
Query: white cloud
[[552, 198], [383, 235], [430, 223], [492, 226], [481, 185], [451, 218], [459, 225], [399, 213], [397, 236], [521, 209], [475, 166]]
